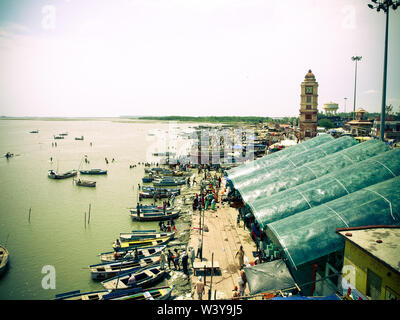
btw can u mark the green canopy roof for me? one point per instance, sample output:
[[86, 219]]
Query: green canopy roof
[[326, 188], [311, 234], [257, 177], [246, 169], [287, 179]]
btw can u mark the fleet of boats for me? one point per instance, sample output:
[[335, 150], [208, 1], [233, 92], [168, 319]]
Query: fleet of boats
[[134, 263]]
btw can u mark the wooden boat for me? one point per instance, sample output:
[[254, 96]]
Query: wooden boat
[[63, 134], [107, 270], [79, 138], [34, 131], [85, 183], [144, 235], [3, 259], [161, 293], [141, 253], [155, 216], [147, 179], [146, 194], [169, 182], [54, 175], [176, 191], [58, 137], [128, 245], [77, 295], [143, 278], [93, 171], [152, 209]]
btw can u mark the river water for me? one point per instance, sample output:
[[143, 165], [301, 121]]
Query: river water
[[57, 234]]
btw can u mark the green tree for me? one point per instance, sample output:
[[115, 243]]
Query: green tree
[[326, 123]]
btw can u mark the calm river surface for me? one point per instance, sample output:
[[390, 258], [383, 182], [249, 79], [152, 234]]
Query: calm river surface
[[57, 235]]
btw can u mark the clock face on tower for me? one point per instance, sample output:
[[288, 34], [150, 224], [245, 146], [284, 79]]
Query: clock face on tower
[[309, 90]]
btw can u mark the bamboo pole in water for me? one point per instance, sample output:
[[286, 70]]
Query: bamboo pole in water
[[89, 212], [29, 217]]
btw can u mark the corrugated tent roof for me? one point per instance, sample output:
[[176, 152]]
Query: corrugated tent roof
[[311, 234], [281, 181], [277, 156], [327, 188], [257, 177]]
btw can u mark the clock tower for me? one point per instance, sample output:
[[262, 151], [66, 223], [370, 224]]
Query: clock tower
[[309, 106]]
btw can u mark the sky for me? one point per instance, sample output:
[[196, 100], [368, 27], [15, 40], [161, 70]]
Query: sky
[[107, 58]]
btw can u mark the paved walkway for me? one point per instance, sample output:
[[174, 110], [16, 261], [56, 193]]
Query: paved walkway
[[223, 239]]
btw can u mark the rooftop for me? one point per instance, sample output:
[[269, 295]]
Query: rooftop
[[382, 242]]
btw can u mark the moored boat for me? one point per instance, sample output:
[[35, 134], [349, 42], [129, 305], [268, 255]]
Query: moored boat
[[155, 216], [79, 138], [93, 171], [161, 293], [169, 182], [128, 245], [175, 191], [85, 183], [141, 253], [144, 235], [77, 295], [4, 255], [54, 175], [143, 278], [107, 270], [152, 209]]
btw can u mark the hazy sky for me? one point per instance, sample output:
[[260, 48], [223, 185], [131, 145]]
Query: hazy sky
[[191, 57]]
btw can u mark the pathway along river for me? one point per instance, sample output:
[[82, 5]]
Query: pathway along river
[[57, 234]]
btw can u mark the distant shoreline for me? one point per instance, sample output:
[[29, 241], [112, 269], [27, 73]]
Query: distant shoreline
[[152, 119]]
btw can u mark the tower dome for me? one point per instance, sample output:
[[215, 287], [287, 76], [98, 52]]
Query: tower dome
[[310, 75]]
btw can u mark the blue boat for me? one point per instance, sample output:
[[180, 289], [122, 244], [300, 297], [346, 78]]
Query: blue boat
[[93, 171]]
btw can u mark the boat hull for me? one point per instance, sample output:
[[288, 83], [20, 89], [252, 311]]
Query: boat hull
[[109, 270], [144, 252], [155, 216], [145, 278]]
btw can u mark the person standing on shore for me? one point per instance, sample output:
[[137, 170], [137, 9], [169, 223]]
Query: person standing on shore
[[170, 258], [199, 248], [240, 255], [185, 263], [191, 255], [162, 260], [199, 288]]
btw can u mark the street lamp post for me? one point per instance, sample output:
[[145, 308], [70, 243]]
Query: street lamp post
[[356, 59], [385, 6]]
